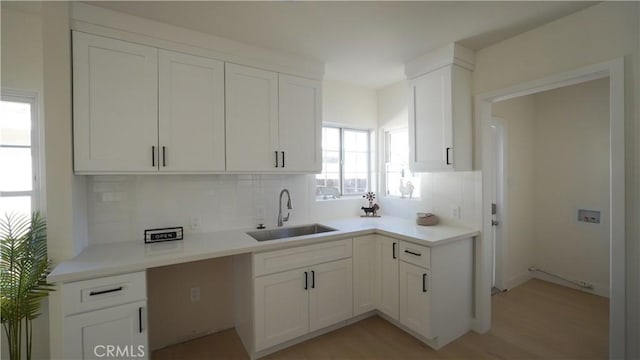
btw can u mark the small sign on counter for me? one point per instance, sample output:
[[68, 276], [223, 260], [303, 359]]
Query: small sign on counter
[[164, 234]]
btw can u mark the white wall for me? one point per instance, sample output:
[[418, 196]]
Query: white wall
[[518, 227], [571, 171], [175, 318], [349, 104], [21, 32], [557, 162], [21, 49], [599, 33]]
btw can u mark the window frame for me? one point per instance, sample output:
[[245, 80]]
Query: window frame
[[341, 151], [36, 146]]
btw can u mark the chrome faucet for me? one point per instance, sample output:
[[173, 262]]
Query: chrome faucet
[[280, 218]]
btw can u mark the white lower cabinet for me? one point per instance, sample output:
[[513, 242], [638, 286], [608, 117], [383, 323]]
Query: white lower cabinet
[[118, 331], [330, 296], [365, 274], [281, 307], [388, 276], [292, 303], [106, 318], [415, 307]]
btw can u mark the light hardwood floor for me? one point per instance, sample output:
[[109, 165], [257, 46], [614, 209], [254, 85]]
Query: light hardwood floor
[[537, 320]]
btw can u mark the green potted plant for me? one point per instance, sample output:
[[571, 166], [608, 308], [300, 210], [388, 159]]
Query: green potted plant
[[24, 267]]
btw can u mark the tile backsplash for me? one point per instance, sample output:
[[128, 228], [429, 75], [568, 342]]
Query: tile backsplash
[[119, 208]]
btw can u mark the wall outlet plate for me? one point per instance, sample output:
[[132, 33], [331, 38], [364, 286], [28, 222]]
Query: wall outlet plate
[[589, 216], [194, 294]]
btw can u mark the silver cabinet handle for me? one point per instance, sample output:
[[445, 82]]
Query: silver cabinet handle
[[164, 156]]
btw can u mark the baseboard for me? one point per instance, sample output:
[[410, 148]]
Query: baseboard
[[192, 337], [597, 288], [518, 279]]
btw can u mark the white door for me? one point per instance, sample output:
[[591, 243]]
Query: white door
[[281, 307], [414, 298], [251, 98], [364, 274], [388, 275], [191, 113], [299, 123], [123, 328], [330, 294], [430, 122], [115, 105]]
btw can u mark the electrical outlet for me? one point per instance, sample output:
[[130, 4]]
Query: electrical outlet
[[195, 294], [194, 224], [455, 212], [260, 213]]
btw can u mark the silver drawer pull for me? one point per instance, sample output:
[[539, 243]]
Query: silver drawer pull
[[94, 293], [412, 253]]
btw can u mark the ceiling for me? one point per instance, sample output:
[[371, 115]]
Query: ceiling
[[365, 43]]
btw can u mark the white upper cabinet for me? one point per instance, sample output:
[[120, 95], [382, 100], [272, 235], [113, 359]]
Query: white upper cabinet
[[138, 109], [273, 121], [299, 123], [115, 107], [440, 133], [191, 116], [252, 119]]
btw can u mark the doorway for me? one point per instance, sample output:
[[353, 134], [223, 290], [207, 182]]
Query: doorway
[[614, 72]]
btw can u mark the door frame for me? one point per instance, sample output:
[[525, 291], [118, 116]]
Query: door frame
[[490, 177], [614, 70]]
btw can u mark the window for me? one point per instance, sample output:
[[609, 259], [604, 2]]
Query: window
[[399, 180], [17, 155], [345, 163]]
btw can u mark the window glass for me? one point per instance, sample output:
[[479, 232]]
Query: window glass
[[16, 169], [399, 180], [345, 163], [16, 155]]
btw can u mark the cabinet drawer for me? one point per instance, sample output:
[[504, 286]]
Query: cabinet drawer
[[104, 292], [415, 254], [301, 256]]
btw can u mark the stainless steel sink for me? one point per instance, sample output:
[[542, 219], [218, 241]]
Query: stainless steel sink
[[281, 233]]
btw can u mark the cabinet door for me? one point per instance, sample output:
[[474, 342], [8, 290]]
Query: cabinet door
[[364, 274], [388, 275], [330, 295], [430, 121], [299, 123], [122, 330], [251, 119], [281, 307], [191, 113], [415, 298], [115, 105]]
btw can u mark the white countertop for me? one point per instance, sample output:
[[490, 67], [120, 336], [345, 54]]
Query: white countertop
[[124, 257]]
